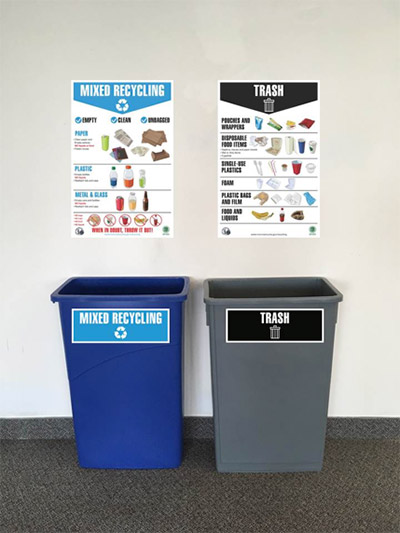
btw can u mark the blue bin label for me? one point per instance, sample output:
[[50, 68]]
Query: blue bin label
[[120, 326]]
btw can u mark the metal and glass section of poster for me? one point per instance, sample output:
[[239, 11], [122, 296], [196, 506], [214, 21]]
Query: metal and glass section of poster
[[268, 159], [122, 159]]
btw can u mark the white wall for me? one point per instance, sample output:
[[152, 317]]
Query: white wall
[[349, 45]]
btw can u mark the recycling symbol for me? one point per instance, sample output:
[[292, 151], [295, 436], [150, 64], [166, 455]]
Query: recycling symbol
[[120, 333], [122, 105]]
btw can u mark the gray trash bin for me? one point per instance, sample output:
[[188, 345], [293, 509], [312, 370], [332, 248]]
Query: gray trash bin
[[271, 343]]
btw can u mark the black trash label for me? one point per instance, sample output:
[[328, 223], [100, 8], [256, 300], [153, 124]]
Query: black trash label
[[274, 325]]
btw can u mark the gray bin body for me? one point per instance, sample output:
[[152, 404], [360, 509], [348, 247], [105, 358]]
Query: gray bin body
[[270, 398]]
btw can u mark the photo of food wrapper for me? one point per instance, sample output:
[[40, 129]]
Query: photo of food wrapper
[[157, 156], [123, 137], [155, 138], [306, 123], [274, 124]]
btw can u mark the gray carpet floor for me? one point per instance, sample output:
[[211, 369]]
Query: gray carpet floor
[[44, 490]]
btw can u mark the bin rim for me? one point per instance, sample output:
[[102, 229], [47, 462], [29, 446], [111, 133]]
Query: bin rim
[[274, 300], [177, 297]]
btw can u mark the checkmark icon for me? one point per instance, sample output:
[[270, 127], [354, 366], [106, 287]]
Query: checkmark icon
[[114, 120], [78, 120], [143, 120]]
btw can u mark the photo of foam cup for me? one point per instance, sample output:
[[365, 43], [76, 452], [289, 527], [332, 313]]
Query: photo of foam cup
[[259, 183], [312, 145], [302, 146]]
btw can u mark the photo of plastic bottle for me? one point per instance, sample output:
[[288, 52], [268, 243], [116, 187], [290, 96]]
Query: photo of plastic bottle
[[113, 177], [282, 215], [142, 178], [128, 177]]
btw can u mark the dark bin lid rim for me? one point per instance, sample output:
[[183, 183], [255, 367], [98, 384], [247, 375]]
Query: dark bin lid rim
[[274, 300]]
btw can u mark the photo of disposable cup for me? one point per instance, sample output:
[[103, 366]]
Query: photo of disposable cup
[[124, 220], [284, 167], [259, 183], [119, 203], [105, 142], [312, 145], [310, 168], [296, 167], [302, 146]]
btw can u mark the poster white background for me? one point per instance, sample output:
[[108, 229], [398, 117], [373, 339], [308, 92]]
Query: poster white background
[[238, 218], [91, 193]]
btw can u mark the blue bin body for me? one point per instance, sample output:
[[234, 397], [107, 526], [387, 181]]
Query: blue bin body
[[126, 398]]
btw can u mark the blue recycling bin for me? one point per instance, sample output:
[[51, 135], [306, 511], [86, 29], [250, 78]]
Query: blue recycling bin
[[123, 340]]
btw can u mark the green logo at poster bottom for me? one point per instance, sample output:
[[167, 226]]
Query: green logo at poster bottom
[[165, 230], [312, 230]]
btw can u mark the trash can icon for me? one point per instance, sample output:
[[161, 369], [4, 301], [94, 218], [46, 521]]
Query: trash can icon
[[275, 332], [269, 105], [123, 340]]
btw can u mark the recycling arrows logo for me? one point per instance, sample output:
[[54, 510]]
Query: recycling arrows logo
[[120, 333], [122, 105]]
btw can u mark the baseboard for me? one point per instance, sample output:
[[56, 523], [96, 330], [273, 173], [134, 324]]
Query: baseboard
[[199, 428]]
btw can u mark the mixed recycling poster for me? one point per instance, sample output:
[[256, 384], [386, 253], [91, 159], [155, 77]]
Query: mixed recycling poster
[[268, 159], [122, 159]]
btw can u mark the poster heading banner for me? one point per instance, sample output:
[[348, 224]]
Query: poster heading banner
[[122, 97]]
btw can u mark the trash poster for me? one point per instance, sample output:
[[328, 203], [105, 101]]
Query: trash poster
[[122, 159], [268, 159]]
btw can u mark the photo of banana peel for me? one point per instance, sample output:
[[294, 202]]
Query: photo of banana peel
[[298, 215], [262, 196], [262, 216]]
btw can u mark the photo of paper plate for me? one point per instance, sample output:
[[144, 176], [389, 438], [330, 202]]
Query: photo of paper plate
[[310, 168]]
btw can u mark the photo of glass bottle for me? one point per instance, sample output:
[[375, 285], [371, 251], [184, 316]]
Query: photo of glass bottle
[[145, 202], [132, 201]]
